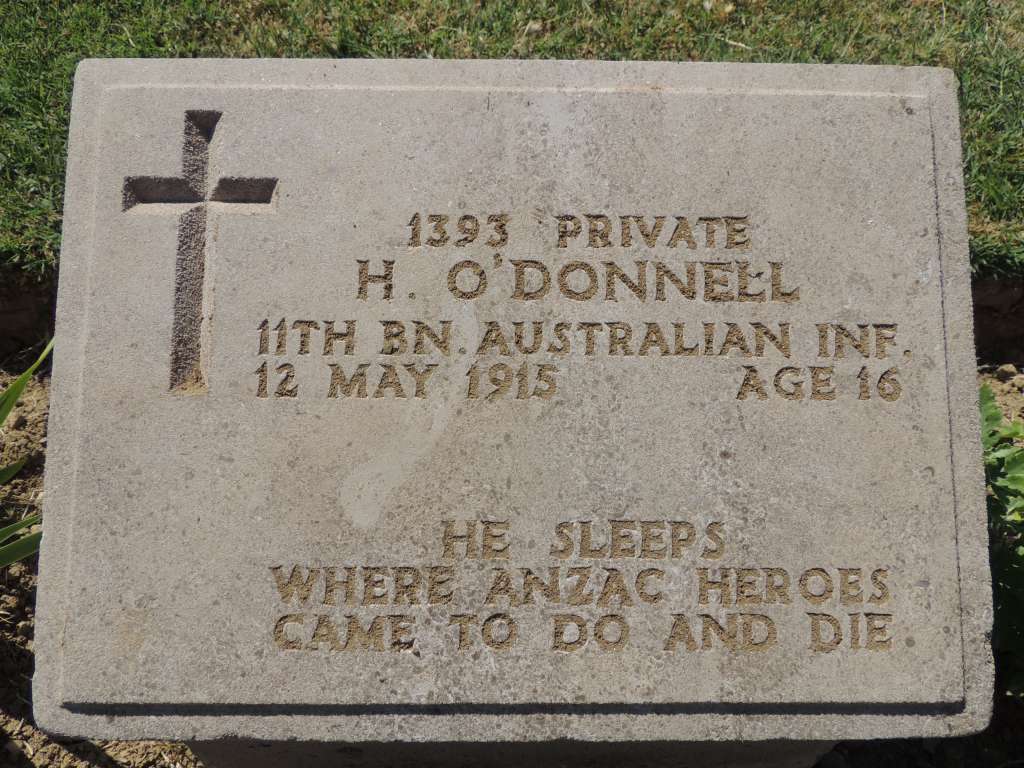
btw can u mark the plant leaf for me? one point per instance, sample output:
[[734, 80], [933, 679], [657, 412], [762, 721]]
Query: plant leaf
[[1006, 450], [6, 473], [1012, 483], [16, 550], [8, 531], [991, 417], [10, 395], [1011, 430]]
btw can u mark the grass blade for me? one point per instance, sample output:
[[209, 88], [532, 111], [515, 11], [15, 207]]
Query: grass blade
[[6, 473], [23, 547], [8, 531], [10, 395]]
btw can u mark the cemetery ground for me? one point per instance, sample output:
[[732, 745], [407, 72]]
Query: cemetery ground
[[40, 43]]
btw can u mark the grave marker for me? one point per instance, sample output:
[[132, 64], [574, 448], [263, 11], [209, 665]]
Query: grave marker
[[519, 400]]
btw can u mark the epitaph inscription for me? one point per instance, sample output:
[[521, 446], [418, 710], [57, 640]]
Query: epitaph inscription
[[553, 401]]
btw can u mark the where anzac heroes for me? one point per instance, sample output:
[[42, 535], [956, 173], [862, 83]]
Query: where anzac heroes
[[464, 401]]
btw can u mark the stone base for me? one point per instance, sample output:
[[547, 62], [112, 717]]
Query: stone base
[[763, 754]]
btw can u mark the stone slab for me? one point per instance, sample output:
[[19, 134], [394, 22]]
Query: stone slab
[[684, 350]]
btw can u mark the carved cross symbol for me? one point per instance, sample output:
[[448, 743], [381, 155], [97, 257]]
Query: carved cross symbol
[[168, 194]]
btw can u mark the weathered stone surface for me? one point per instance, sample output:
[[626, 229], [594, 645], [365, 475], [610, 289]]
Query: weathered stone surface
[[735, 438]]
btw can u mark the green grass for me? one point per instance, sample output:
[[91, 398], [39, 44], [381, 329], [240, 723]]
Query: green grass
[[981, 40]]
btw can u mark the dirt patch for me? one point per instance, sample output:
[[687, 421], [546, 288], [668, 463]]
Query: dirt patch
[[1007, 384], [26, 312], [23, 436], [998, 315]]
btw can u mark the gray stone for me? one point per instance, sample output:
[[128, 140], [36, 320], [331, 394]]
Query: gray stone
[[753, 372]]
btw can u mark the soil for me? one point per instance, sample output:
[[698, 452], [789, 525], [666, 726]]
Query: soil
[[1007, 384], [25, 745], [998, 311], [26, 312]]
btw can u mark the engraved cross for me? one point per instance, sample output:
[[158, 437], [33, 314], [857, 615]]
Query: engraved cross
[[168, 194]]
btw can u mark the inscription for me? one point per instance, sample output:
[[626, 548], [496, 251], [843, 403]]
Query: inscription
[[774, 357], [600, 574], [664, 290]]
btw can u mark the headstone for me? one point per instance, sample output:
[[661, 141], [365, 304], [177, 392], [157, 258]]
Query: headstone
[[463, 401]]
